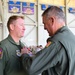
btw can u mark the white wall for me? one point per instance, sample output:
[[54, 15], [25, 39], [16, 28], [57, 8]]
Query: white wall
[[71, 22]]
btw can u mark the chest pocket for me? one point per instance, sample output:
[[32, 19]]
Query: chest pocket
[[14, 63], [15, 60]]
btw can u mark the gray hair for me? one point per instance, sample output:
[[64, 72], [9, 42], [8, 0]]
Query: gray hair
[[54, 11]]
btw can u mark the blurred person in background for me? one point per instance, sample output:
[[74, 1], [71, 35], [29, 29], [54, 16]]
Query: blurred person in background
[[48, 42]]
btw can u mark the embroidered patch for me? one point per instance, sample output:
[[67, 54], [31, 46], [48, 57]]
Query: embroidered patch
[[48, 44], [1, 53], [18, 53]]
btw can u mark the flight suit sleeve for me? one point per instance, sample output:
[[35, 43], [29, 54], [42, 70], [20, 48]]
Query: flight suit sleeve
[[44, 60], [2, 61]]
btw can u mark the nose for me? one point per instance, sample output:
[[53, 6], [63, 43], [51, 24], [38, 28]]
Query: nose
[[24, 27]]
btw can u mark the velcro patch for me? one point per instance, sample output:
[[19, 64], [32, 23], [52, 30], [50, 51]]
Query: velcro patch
[[1, 53]]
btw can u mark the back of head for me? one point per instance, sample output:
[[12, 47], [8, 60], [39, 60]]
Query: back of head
[[12, 20], [54, 11]]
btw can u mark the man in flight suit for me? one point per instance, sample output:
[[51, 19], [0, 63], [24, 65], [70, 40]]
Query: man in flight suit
[[58, 58], [10, 47]]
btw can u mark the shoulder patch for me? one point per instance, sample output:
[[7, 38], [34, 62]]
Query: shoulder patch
[[48, 44], [1, 53]]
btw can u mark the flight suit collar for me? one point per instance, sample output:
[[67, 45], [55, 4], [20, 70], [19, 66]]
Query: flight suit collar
[[60, 30], [11, 40]]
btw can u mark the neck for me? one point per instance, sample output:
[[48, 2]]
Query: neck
[[60, 25], [15, 38], [57, 28]]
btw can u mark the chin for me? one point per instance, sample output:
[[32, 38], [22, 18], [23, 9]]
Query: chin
[[21, 36], [50, 34]]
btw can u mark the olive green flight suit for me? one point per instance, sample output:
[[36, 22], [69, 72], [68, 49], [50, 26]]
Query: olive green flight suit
[[57, 59], [10, 63]]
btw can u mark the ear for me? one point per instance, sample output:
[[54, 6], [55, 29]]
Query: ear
[[51, 20], [11, 27]]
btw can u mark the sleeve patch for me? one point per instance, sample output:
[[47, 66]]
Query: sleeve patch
[[1, 53]]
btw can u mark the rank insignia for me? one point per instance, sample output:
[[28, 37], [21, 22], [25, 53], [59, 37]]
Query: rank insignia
[[1, 53], [18, 53], [48, 44]]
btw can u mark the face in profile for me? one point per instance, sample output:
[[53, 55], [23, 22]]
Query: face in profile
[[47, 25]]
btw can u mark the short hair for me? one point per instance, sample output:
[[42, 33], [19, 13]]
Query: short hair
[[55, 11], [12, 19]]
